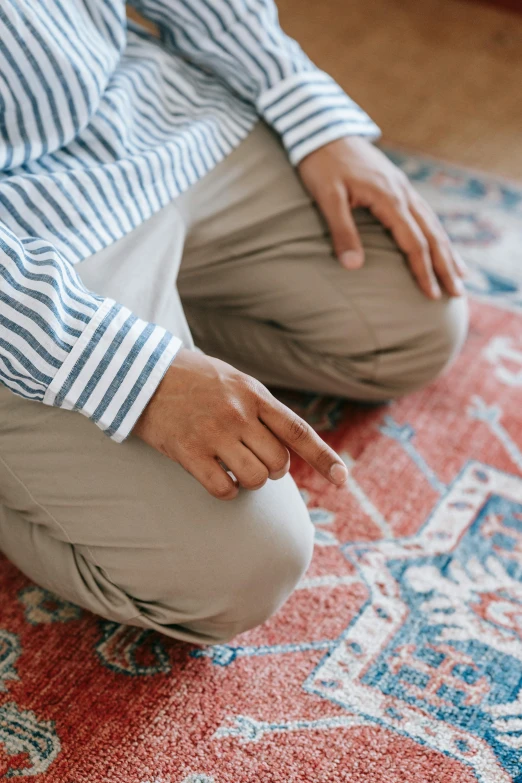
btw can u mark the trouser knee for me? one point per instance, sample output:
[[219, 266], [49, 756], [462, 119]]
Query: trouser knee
[[431, 347], [239, 578]]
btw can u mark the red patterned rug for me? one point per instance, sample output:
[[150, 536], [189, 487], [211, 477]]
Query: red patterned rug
[[398, 659]]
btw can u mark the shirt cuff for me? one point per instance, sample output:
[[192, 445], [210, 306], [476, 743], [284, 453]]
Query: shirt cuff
[[309, 109], [113, 369]]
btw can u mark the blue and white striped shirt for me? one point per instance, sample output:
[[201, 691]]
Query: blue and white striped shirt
[[101, 125]]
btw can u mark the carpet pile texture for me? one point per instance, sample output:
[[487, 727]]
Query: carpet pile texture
[[398, 659]]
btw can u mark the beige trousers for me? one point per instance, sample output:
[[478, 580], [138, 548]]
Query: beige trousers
[[242, 264]]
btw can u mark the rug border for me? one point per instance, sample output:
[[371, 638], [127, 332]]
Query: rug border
[[479, 173]]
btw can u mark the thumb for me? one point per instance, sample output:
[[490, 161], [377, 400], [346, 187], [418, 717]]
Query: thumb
[[345, 237]]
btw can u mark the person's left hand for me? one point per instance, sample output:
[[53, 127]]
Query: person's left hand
[[351, 172]]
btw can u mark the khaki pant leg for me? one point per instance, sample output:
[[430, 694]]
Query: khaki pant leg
[[120, 529], [261, 287]]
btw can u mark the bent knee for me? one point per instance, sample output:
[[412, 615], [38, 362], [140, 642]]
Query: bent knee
[[257, 601], [271, 567], [235, 574], [433, 342]]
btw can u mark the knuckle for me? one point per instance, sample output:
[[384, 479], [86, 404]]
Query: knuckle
[[338, 192], [240, 419], [381, 183], [395, 199], [387, 189], [279, 462], [236, 416], [190, 445], [251, 385], [444, 243], [256, 395], [420, 245], [255, 480], [266, 402], [335, 191], [298, 429]]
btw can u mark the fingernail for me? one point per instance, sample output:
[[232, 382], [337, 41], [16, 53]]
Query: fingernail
[[351, 260], [435, 291], [338, 473]]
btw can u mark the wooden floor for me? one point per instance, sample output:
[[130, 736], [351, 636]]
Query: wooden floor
[[439, 76]]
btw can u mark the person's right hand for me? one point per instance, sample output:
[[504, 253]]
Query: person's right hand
[[205, 413]]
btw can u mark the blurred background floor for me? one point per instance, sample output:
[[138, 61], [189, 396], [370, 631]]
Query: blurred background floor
[[443, 77]]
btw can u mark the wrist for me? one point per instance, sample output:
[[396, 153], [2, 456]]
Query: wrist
[[168, 385]]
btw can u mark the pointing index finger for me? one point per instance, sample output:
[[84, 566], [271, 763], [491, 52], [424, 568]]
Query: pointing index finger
[[301, 438]]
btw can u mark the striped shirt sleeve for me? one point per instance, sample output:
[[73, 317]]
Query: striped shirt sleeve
[[241, 42], [65, 346]]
